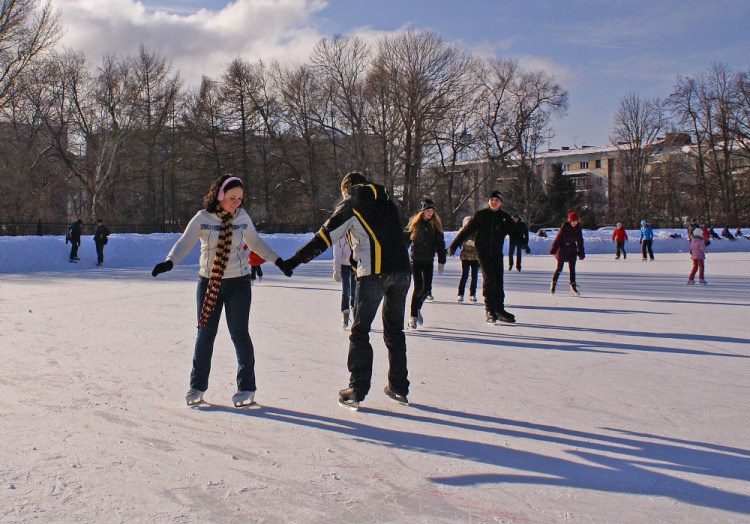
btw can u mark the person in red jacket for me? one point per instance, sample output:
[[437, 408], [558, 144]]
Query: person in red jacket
[[568, 245], [255, 260], [619, 237]]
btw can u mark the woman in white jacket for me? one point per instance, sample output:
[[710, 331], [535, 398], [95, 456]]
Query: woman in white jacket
[[222, 228], [343, 272]]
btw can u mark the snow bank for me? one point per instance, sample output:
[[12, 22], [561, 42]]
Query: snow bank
[[26, 254]]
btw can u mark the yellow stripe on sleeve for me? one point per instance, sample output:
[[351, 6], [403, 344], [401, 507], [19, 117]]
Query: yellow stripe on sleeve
[[374, 240], [322, 235]]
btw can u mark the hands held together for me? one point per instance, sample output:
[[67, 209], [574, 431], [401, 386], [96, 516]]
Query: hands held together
[[286, 266]]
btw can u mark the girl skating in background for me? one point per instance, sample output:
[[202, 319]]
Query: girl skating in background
[[568, 245], [698, 254], [425, 234]]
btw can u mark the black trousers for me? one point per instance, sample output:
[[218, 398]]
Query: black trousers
[[468, 267], [422, 274], [492, 283], [390, 289], [99, 252], [517, 248], [571, 270], [621, 247], [646, 246]]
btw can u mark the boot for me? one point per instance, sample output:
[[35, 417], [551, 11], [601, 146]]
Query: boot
[[345, 322], [574, 290], [552, 287]]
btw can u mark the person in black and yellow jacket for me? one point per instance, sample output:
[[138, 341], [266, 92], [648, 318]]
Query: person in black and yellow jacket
[[372, 222]]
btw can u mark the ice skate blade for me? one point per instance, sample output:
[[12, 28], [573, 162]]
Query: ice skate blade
[[351, 405]]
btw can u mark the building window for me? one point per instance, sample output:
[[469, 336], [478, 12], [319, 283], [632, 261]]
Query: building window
[[566, 167], [598, 164], [584, 165]]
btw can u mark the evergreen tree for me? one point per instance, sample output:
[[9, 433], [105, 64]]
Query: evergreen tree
[[562, 197]]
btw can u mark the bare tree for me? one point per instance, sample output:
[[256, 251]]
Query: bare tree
[[203, 122], [343, 62], [155, 92], [26, 30], [419, 70], [303, 107], [711, 106], [383, 123], [238, 84], [638, 124], [89, 121]]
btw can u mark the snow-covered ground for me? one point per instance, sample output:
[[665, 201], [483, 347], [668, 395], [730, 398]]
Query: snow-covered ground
[[629, 404]]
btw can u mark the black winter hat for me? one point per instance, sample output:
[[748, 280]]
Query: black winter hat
[[427, 204], [496, 194]]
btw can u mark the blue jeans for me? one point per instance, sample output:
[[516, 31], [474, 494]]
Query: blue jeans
[[391, 289], [348, 287], [234, 295]]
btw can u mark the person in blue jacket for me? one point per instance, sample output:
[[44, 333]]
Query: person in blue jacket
[[646, 240]]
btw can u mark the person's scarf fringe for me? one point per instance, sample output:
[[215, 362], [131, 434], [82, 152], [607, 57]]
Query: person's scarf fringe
[[217, 269]]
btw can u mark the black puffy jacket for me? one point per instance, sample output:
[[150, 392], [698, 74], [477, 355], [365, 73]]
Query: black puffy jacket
[[373, 225], [426, 243], [491, 228]]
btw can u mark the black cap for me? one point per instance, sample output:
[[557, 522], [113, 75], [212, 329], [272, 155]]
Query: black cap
[[496, 194], [427, 204]]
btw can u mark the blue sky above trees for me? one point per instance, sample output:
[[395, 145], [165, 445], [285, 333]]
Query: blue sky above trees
[[598, 51]]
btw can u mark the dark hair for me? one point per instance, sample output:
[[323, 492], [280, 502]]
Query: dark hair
[[353, 178], [210, 201]]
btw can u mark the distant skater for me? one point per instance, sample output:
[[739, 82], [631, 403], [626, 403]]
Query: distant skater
[[100, 239], [646, 240], [619, 237], [424, 234], [344, 272], [74, 237], [469, 266], [518, 240], [568, 245], [698, 255]]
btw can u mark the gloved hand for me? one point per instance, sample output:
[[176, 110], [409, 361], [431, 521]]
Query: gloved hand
[[581, 257], [337, 275], [441, 267], [162, 267], [285, 266], [451, 251], [526, 249]]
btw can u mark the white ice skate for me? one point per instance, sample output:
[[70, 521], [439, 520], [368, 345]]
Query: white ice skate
[[243, 398]]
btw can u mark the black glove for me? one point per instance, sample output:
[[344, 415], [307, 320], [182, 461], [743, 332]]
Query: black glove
[[526, 249], [285, 266], [162, 267]]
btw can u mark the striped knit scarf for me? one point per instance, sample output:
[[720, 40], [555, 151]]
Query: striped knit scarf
[[217, 269]]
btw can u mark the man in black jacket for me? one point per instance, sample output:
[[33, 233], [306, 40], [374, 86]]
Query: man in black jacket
[[74, 235], [491, 225], [371, 222], [518, 239], [100, 239]]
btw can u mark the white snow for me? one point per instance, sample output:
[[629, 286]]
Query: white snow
[[629, 404]]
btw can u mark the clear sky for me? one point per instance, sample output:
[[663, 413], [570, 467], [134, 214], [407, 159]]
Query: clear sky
[[597, 50]]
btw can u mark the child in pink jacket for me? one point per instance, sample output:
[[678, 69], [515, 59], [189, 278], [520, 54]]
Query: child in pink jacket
[[698, 254]]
